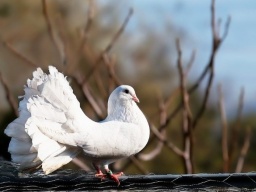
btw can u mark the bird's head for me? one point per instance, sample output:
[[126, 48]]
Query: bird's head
[[123, 94], [122, 103]]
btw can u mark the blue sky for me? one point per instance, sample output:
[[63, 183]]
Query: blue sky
[[236, 60]]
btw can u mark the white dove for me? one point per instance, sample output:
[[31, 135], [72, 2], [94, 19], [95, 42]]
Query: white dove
[[52, 129]]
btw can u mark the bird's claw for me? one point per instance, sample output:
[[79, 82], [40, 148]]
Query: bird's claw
[[115, 177], [101, 175], [110, 175]]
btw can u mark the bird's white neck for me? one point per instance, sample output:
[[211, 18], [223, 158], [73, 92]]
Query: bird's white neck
[[125, 112]]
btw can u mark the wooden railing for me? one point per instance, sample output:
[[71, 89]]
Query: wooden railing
[[66, 180]]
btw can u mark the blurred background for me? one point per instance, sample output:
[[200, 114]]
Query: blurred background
[[91, 42]]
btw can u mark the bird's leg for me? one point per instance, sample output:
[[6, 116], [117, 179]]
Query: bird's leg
[[113, 176], [99, 173]]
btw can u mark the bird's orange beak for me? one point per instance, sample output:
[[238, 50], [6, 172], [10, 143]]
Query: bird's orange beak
[[135, 98]]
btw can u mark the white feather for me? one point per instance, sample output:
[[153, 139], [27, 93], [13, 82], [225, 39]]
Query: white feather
[[16, 130], [54, 163], [23, 158], [44, 110], [43, 144], [20, 147]]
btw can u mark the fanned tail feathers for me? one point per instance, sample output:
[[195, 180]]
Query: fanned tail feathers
[[48, 101]]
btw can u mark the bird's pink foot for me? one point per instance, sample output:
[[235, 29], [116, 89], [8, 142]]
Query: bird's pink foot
[[100, 175], [115, 176]]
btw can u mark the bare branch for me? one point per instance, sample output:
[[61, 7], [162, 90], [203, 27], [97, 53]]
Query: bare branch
[[171, 97], [101, 86], [191, 61], [110, 45], [162, 141], [186, 115], [216, 42], [157, 150], [19, 55], [215, 33], [152, 154], [88, 95], [244, 150], [226, 28], [55, 39], [119, 32], [138, 165], [80, 163], [92, 101], [170, 145], [47, 19], [236, 126], [90, 17], [225, 154], [208, 68], [9, 96], [182, 75], [83, 49], [240, 107], [111, 70], [207, 93]]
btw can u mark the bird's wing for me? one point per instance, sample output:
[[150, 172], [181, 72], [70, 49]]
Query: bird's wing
[[108, 139]]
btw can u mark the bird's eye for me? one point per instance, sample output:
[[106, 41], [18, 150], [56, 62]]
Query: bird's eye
[[126, 91]]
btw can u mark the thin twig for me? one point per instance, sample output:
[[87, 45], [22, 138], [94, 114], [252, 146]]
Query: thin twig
[[167, 143], [90, 55], [157, 150], [110, 45], [216, 42], [63, 41], [208, 67], [186, 115], [19, 55], [56, 41], [207, 93], [119, 32], [191, 61], [235, 128], [225, 33], [167, 103], [182, 75], [88, 95], [85, 34], [90, 17], [244, 150], [153, 153], [111, 71], [138, 165], [9, 96], [224, 142], [47, 19], [80, 163], [168, 119]]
